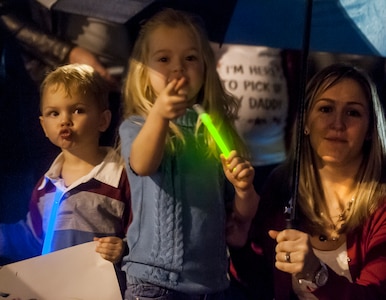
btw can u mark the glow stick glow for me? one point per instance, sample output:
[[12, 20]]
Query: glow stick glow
[[205, 118], [51, 223]]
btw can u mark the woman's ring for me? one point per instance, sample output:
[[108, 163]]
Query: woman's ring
[[287, 257]]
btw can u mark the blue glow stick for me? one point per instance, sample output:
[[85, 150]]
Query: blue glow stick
[[205, 118], [51, 223]]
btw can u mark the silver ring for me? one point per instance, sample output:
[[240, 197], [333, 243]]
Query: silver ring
[[287, 257]]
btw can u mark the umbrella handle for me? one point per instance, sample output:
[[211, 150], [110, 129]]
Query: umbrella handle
[[291, 217], [289, 212]]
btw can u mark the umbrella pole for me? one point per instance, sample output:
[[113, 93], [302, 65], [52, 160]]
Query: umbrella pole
[[290, 211]]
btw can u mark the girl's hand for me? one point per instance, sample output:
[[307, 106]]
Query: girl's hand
[[110, 248], [238, 171], [172, 102], [294, 253]]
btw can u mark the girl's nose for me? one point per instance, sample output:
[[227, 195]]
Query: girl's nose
[[178, 71], [178, 66], [176, 74]]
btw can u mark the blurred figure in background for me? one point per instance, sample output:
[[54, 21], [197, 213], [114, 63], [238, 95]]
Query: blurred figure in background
[[260, 77], [265, 81], [36, 40]]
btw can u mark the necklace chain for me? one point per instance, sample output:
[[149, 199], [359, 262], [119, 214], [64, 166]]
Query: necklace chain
[[334, 236]]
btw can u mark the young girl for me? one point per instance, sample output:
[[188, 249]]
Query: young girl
[[179, 232]]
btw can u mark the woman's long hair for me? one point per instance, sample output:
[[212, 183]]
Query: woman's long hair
[[370, 182]]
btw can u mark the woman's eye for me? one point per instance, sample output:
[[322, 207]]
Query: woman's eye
[[354, 113], [325, 109], [163, 59]]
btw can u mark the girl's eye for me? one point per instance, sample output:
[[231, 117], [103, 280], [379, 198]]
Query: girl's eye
[[163, 59], [191, 58]]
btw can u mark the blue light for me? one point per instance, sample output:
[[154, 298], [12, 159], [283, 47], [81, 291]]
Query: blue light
[[51, 223]]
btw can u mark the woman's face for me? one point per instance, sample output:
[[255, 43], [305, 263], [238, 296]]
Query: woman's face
[[173, 54], [338, 123]]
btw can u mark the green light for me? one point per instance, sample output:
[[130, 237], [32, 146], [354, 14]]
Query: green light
[[205, 118]]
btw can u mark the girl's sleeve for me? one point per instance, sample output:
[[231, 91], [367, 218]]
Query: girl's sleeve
[[128, 131]]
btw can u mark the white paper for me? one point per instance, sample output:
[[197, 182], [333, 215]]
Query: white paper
[[75, 273]]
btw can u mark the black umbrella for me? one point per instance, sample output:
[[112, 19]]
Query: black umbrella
[[343, 26], [340, 26]]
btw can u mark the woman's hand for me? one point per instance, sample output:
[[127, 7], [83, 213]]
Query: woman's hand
[[294, 253]]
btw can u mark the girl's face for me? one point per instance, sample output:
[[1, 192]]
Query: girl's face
[[174, 53], [72, 122], [338, 123]]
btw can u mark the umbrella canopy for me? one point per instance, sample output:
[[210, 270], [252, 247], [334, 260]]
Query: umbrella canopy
[[342, 26]]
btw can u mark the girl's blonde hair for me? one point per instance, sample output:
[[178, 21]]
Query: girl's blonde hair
[[370, 185], [78, 79], [139, 95]]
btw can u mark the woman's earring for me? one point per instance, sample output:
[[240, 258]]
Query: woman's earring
[[306, 131]]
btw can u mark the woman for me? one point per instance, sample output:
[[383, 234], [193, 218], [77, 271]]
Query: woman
[[338, 248]]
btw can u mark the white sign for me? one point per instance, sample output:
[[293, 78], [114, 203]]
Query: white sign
[[75, 273]]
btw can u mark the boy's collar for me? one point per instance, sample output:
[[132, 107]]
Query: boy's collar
[[108, 171]]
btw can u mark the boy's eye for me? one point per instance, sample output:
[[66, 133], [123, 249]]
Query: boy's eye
[[52, 113], [79, 111]]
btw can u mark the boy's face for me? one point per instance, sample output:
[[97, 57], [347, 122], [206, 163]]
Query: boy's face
[[72, 122]]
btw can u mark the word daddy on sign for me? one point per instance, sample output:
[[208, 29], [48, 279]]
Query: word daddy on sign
[[255, 76]]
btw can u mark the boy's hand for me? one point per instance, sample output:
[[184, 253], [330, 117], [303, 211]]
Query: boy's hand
[[238, 171], [110, 248]]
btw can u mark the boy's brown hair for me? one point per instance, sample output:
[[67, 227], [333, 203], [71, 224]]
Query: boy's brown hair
[[79, 79]]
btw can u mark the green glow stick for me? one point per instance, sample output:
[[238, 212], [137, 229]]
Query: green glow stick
[[205, 118]]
